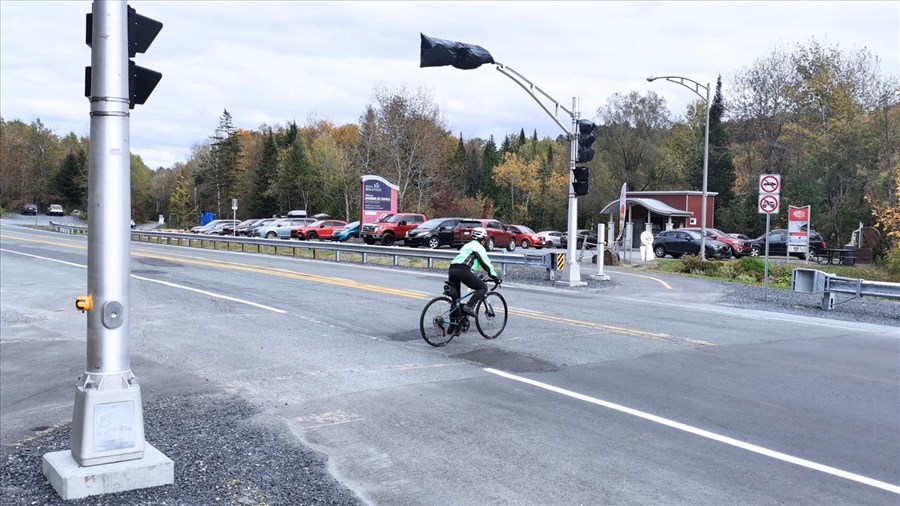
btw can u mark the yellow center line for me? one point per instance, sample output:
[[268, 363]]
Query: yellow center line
[[289, 274], [663, 283]]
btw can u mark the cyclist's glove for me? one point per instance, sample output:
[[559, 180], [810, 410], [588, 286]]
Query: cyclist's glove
[[497, 279]]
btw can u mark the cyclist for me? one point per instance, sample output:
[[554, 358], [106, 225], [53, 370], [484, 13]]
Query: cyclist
[[471, 257]]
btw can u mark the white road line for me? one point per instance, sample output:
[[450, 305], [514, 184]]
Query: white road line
[[166, 283], [703, 433], [211, 294]]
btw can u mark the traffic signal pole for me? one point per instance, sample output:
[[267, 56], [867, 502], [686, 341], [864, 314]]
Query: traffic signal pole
[[107, 422], [572, 272]]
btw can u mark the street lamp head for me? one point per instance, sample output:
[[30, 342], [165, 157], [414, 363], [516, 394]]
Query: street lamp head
[[651, 79]]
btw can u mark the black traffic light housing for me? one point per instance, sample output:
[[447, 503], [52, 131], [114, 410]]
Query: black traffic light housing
[[580, 184], [141, 33], [585, 139]]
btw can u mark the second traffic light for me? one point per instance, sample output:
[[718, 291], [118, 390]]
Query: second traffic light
[[141, 32], [585, 139], [580, 183]]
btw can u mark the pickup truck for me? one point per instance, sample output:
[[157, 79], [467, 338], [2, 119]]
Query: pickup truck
[[390, 228]]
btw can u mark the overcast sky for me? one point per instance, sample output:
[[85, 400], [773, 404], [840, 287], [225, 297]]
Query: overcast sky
[[273, 62]]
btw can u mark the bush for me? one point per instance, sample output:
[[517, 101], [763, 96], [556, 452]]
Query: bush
[[692, 264], [892, 263]]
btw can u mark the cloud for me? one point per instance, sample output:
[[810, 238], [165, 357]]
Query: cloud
[[273, 62]]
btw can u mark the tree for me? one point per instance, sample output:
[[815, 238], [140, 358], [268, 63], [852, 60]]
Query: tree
[[520, 179], [220, 168], [411, 136], [260, 201], [181, 213], [70, 181]]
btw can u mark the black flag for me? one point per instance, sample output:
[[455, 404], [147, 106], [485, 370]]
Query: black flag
[[440, 52]]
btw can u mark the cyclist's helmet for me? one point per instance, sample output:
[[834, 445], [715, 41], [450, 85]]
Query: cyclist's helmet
[[479, 233]]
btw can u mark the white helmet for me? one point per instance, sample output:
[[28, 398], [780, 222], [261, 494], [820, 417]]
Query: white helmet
[[479, 233]]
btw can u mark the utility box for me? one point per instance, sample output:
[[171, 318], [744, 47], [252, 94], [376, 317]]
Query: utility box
[[808, 280]]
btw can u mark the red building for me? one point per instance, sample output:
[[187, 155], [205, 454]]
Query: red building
[[663, 210]]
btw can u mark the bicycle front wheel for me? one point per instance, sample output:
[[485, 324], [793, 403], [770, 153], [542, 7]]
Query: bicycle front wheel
[[435, 324], [492, 314]]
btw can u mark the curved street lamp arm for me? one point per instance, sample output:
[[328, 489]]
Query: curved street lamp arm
[[530, 89], [681, 80]]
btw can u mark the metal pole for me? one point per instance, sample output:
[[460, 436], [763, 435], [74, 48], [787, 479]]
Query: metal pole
[[766, 260], [573, 270], [107, 425], [705, 173]]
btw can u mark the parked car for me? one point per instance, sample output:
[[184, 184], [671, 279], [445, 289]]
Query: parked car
[[248, 229], [346, 232], [231, 229], [281, 228], [681, 242], [322, 229], [581, 235], [497, 235], [778, 244], [743, 237], [199, 229], [434, 233], [390, 228], [219, 229], [739, 247], [551, 237], [30, 209], [525, 237], [55, 210]]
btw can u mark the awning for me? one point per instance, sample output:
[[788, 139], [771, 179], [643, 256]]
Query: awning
[[655, 206]]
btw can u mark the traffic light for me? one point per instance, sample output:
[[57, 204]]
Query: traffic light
[[141, 32], [585, 139], [580, 185]]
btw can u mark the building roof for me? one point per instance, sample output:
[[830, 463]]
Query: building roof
[[653, 205]]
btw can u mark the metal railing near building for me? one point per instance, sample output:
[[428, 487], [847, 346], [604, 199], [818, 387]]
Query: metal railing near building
[[336, 250]]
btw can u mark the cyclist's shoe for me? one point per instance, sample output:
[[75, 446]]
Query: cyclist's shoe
[[466, 309]]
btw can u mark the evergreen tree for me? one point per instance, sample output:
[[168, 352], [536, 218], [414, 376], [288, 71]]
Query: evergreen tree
[[220, 169], [490, 159], [260, 202], [181, 213], [70, 181], [720, 174]]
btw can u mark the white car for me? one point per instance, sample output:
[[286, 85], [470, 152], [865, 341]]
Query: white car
[[552, 237], [55, 210]]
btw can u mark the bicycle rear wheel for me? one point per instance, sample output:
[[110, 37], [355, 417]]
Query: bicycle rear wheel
[[435, 324], [492, 314]]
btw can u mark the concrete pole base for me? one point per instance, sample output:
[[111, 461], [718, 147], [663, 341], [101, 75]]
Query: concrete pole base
[[72, 481], [601, 277]]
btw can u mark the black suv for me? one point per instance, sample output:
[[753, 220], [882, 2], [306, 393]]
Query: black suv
[[680, 242], [434, 233], [778, 244]]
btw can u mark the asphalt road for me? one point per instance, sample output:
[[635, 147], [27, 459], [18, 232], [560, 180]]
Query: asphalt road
[[644, 391]]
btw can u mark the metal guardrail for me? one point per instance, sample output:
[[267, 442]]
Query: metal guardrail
[[816, 281], [542, 259]]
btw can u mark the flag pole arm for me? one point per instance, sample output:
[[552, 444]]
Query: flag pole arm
[[530, 88]]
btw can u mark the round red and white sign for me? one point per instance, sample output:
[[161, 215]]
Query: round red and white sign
[[770, 183], [768, 204]]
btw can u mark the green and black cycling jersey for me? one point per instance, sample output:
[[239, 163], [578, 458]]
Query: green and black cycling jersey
[[474, 256]]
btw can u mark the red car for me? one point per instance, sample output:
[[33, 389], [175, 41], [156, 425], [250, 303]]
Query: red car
[[739, 247], [498, 236], [322, 229], [525, 237]]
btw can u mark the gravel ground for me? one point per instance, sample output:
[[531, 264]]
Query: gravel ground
[[224, 456], [221, 457]]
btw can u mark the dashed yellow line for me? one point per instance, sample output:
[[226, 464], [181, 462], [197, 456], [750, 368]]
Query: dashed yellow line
[[347, 283]]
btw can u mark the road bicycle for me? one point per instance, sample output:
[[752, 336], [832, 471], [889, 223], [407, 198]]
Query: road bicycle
[[442, 318]]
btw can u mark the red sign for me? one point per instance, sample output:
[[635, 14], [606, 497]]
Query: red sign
[[799, 213]]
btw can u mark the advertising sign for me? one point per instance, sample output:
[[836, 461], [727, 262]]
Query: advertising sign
[[798, 229], [377, 198], [622, 195]]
